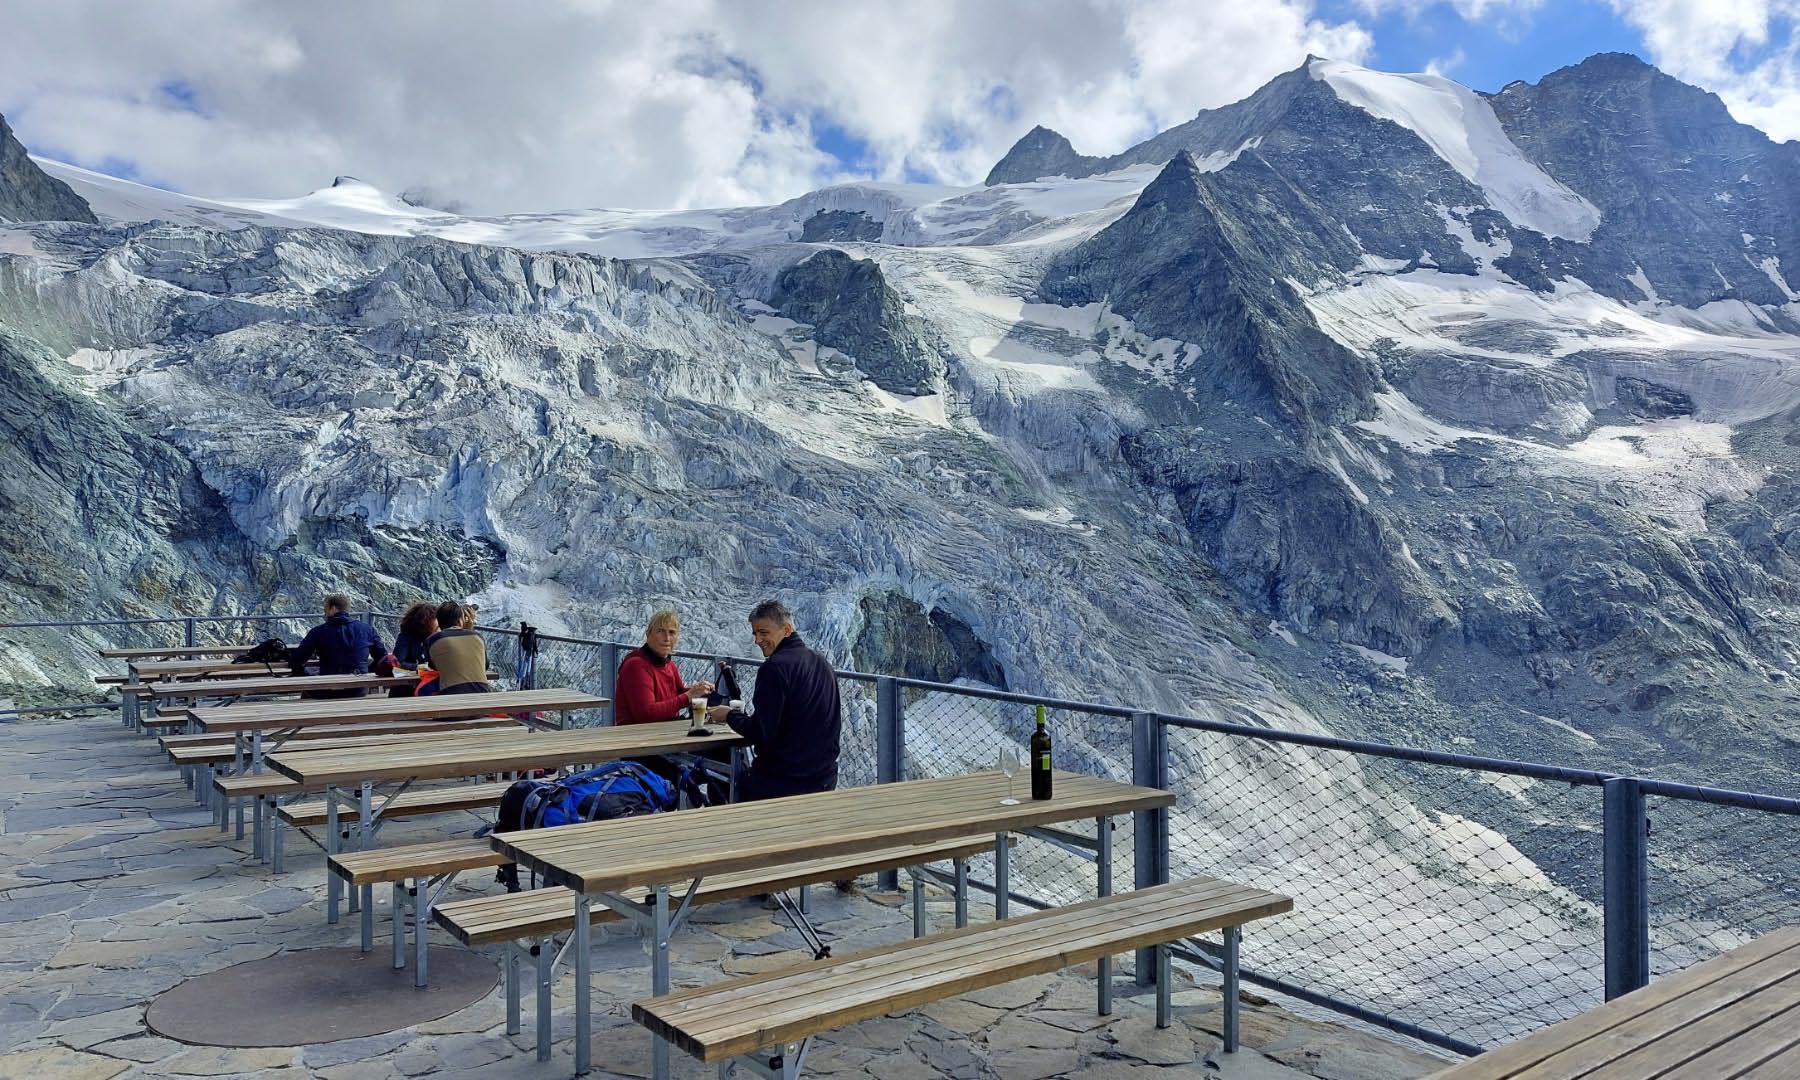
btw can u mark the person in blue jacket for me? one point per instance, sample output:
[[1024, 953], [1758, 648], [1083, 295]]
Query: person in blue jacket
[[797, 719], [342, 645]]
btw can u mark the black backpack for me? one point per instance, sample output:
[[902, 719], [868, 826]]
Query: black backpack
[[725, 687], [268, 651]]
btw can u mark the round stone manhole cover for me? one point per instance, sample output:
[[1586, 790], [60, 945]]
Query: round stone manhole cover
[[316, 996]]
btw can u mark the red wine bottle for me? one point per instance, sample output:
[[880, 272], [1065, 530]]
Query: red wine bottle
[[1040, 758]]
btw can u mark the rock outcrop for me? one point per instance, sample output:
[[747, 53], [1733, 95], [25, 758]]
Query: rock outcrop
[[26, 194]]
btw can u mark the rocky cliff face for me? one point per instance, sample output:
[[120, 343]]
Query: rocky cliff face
[[26, 194]]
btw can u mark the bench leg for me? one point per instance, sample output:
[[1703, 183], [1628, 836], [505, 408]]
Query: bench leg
[[398, 927], [546, 963], [512, 988], [805, 900], [584, 985], [1103, 866], [962, 892], [1163, 1017], [1232, 936], [332, 886], [1002, 877], [278, 842], [421, 914], [256, 830], [368, 917], [237, 809], [918, 901]]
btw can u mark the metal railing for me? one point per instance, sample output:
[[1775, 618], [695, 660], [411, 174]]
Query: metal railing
[[1455, 899]]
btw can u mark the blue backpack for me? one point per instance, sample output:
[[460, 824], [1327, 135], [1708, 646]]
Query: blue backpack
[[614, 790]]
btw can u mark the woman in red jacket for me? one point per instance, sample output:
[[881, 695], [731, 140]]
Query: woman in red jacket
[[649, 688]]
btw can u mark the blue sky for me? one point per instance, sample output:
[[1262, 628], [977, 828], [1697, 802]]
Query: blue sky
[[602, 103]]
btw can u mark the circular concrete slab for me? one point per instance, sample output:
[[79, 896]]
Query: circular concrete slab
[[317, 996]]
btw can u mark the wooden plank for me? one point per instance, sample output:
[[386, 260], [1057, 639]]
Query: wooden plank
[[177, 651], [1754, 1013], [496, 752], [414, 860], [1774, 1039], [1783, 1066], [418, 802], [211, 749], [610, 856], [297, 714], [1780, 951], [255, 682], [771, 1009], [149, 671], [489, 919]]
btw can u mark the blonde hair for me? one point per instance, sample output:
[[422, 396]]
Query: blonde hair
[[665, 617]]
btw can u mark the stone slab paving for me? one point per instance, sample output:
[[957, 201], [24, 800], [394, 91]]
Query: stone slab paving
[[114, 888]]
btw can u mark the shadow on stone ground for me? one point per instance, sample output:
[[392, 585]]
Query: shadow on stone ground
[[114, 888]]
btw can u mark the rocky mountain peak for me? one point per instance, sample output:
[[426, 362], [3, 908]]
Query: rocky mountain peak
[[27, 194], [1041, 152]]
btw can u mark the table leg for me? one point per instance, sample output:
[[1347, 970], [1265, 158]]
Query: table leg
[[422, 900], [546, 962], [365, 800], [962, 892], [1230, 990], [1103, 864], [332, 883], [584, 1020], [659, 979], [1002, 877], [918, 900], [399, 925], [512, 988]]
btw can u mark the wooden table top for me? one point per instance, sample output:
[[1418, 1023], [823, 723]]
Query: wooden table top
[[491, 752], [1736, 1015], [280, 684], [189, 669], [277, 715], [666, 849], [174, 651]]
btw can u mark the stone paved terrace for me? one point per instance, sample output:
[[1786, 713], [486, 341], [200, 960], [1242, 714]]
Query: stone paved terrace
[[114, 888]]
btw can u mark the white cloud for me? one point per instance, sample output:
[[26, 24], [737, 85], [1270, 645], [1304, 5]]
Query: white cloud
[[1444, 65], [609, 103], [1743, 50]]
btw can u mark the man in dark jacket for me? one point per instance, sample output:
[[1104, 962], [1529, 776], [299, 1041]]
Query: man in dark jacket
[[342, 645], [797, 720]]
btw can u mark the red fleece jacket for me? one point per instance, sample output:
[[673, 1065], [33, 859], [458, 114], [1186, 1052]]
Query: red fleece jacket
[[647, 691]]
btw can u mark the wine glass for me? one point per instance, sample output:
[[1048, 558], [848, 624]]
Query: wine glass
[[1009, 767]]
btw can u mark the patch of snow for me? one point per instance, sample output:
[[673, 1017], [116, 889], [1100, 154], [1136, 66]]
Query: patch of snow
[[1638, 278], [1280, 630], [1771, 267], [1461, 128], [1403, 422], [1381, 659]]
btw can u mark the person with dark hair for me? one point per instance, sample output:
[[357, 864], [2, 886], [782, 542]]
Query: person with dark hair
[[417, 624], [342, 646], [796, 720], [457, 651]]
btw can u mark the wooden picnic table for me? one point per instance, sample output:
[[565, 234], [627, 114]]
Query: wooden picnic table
[[404, 763], [151, 671], [278, 684], [601, 861], [1736, 1015], [172, 652], [283, 715]]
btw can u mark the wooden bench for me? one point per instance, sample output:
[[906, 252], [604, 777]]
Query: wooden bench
[[528, 922], [268, 788], [1731, 1016], [419, 874], [785, 1009]]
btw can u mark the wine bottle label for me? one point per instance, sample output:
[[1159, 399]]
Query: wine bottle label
[[1046, 761]]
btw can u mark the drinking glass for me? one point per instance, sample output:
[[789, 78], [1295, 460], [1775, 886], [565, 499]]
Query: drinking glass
[[1009, 767], [697, 711]]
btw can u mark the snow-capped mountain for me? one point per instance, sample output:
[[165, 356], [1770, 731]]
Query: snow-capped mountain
[[1369, 403]]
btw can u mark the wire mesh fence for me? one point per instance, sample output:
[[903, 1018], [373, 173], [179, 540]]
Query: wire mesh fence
[[1457, 900], [1720, 875]]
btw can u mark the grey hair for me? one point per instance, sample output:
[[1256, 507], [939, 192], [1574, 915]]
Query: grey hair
[[773, 611]]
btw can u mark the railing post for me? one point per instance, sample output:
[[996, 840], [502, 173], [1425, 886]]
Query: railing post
[[190, 642], [1626, 887], [609, 676], [1150, 828], [890, 749]]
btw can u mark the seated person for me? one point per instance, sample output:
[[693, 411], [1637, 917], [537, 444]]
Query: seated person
[[417, 624], [457, 651], [798, 719], [340, 644], [649, 687]]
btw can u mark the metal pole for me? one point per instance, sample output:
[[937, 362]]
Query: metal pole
[[609, 676], [190, 632], [890, 751], [1150, 828], [1626, 891]]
